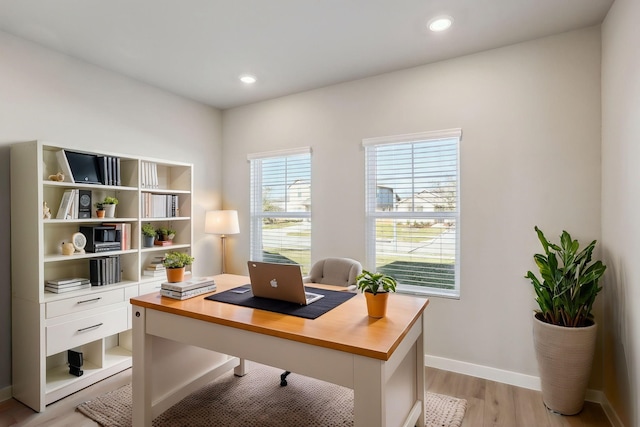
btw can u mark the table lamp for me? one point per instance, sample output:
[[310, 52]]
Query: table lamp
[[222, 223]]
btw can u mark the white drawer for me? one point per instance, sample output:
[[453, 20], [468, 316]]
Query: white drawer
[[66, 335], [84, 302]]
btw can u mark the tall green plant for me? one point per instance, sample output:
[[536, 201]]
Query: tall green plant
[[569, 282]]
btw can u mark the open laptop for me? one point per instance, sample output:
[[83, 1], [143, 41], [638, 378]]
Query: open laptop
[[279, 281]]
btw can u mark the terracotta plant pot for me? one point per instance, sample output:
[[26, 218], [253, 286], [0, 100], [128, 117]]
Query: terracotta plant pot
[[100, 213], [175, 274], [565, 356], [377, 304]]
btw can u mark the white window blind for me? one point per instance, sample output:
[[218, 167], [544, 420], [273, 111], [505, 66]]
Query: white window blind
[[412, 210], [281, 207]]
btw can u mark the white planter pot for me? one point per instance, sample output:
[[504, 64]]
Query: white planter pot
[[109, 211], [565, 356]]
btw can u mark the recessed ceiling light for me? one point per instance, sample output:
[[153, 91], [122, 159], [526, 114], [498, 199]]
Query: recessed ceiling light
[[440, 23], [248, 79]]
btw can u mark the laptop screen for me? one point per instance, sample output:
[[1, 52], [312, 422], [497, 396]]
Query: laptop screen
[[278, 281]]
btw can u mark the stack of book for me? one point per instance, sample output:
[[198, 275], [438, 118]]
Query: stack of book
[[67, 285], [155, 268], [189, 288], [105, 270]]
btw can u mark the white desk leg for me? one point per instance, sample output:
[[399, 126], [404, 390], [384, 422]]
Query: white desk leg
[[369, 401], [420, 391], [141, 375], [240, 370]]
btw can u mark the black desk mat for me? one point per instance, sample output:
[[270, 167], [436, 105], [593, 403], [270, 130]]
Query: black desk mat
[[331, 300]]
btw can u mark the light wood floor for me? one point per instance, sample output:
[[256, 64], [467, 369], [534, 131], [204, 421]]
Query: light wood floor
[[488, 404], [495, 404]]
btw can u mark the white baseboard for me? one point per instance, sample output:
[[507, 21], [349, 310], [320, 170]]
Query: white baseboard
[[5, 393], [599, 397], [484, 372], [515, 379]]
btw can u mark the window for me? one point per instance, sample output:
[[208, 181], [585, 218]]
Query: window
[[281, 207], [412, 210]]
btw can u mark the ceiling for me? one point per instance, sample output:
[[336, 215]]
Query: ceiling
[[199, 48]]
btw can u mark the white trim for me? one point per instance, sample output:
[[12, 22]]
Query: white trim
[[6, 393], [516, 379], [412, 137], [279, 153], [611, 414], [484, 372]]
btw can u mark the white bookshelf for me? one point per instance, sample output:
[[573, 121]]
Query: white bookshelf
[[96, 320]]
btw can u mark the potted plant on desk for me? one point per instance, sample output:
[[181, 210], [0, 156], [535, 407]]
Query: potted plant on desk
[[175, 263], [376, 288], [564, 331]]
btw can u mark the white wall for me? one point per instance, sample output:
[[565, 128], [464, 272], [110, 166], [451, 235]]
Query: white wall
[[621, 207], [530, 155], [45, 95]]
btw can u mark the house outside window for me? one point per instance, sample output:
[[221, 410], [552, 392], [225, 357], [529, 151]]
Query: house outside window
[[416, 239], [281, 207]]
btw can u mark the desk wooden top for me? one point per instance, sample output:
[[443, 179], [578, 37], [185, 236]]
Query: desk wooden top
[[346, 328]]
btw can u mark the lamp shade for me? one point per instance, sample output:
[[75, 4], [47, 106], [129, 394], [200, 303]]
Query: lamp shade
[[221, 222]]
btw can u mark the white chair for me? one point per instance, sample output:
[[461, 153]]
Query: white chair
[[331, 271], [335, 271]]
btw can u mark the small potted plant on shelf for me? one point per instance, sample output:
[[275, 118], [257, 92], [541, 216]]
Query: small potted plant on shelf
[[564, 330], [175, 263], [165, 234], [376, 288], [99, 209], [148, 234], [109, 203]]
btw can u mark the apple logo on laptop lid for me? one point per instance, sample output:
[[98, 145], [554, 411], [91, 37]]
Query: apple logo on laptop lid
[[274, 283]]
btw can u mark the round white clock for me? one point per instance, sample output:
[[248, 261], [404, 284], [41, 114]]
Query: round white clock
[[79, 242]]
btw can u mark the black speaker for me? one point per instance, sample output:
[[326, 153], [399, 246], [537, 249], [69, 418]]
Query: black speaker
[[75, 362], [84, 203]]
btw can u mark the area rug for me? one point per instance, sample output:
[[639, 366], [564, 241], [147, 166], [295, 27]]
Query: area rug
[[257, 400]]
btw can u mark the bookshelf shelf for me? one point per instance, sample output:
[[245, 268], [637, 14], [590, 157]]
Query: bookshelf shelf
[[40, 378]]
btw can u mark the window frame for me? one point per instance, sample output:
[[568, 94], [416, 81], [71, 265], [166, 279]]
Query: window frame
[[371, 215], [257, 214]]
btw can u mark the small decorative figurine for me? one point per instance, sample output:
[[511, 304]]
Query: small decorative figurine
[[68, 249], [57, 177], [46, 212]]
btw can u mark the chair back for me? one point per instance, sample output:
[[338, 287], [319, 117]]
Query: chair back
[[335, 271]]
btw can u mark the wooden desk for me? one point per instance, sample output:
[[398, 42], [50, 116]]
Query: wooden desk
[[179, 346]]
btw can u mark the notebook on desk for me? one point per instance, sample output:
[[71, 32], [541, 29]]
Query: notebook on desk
[[279, 281]]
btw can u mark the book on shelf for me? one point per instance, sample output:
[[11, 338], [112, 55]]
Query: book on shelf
[[149, 175], [67, 281], [69, 285], [155, 267], [187, 294], [58, 290], [65, 205], [154, 273], [105, 270], [160, 205], [195, 282], [124, 229], [109, 170]]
